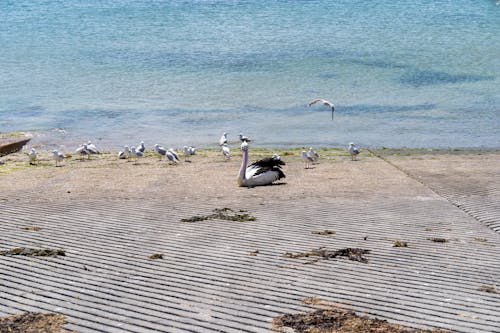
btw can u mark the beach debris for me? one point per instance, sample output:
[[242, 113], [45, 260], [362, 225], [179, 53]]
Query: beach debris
[[354, 254], [438, 240], [31, 228], [156, 256], [254, 253], [225, 213], [338, 320], [480, 240], [32, 322], [23, 251], [489, 289], [399, 243], [324, 232]]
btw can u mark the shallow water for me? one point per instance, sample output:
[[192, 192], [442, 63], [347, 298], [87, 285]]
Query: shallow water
[[405, 73]]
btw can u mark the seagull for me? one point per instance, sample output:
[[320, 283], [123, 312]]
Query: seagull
[[244, 138], [159, 150], [313, 154], [353, 151], [136, 153], [57, 156], [263, 172], [223, 139], [188, 151], [307, 159], [141, 147], [32, 156], [325, 103], [82, 151], [172, 156], [124, 154], [226, 152], [92, 148]]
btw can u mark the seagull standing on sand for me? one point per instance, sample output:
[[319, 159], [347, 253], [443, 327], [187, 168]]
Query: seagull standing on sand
[[172, 156], [325, 103], [226, 152], [263, 172], [188, 151], [159, 150], [57, 156], [136, 153], [32, 156], [126, 153], [142, 147], [353, 151], [307, 159], [313, 154], [223, 139], [82, 151], [92, 148]]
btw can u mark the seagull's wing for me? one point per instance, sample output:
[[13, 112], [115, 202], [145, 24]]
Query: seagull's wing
[[315, 101]]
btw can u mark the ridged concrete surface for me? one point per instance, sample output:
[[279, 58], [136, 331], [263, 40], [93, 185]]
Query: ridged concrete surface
[[208, 282]]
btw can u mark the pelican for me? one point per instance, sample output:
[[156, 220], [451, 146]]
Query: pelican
[[353, 151], [325, 103], [307, 159], [82, 151], [57, 156], [92, 148], [223, 139], [188, 151], [141, 147], [159, 150], [244, 138], [226, 152], [172, 156], [32, 156], [313, 154], [263, 172]]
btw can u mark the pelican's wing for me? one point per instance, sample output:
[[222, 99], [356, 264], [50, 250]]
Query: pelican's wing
[[263, 176], [268, 162]]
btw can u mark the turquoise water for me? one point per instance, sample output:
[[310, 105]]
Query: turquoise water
[[401, 73]]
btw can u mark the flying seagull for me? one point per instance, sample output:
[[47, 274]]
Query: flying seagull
[[325, 103]]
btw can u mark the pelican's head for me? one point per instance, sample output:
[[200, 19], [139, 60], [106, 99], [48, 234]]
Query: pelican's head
[[351, 144], [244, 146]]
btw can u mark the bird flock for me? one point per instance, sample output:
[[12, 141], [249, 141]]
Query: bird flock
[[263, 172]]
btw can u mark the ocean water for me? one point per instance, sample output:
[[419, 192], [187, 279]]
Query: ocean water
[[401, 73]]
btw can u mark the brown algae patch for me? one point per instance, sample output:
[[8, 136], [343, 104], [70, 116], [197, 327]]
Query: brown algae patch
[[354, 254], [31, 228], [324, 232], [438, 240], [338, 320], [254, 253], [23, 251], [34, 323], [399, 243], [489, 289], [156, 256], [226, 214]]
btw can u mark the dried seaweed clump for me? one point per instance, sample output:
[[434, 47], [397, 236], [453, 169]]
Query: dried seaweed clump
[[31, 228], [399, 243], [489, 289], [156, 256], [354, 254], [340, 321], [34, 323], [324, 232], [438, 240], [226, 214], [23, 251]]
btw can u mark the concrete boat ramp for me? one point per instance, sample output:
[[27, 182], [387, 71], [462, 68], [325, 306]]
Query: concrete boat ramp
[[233, 276]]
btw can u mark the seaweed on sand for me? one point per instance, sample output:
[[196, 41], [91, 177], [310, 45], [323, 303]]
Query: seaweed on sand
[[489, 289], [334, 319], [31, 228], [34, 323], [225, 213], [156, 256], [438, 240], [324, 232], [399, 243], [354, 254], [23, 251]]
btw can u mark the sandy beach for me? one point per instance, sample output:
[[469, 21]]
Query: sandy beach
[[110, 215]]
